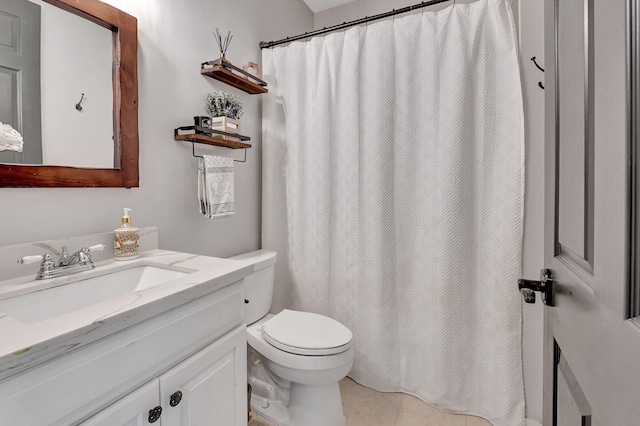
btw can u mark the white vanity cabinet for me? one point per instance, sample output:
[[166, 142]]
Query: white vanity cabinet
[[213, 384], [209, 388], [130, 410], [197, 348]]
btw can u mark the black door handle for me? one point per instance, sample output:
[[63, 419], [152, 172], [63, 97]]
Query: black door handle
[[544, 286]]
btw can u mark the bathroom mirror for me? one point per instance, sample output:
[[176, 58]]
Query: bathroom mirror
[[120, 115]]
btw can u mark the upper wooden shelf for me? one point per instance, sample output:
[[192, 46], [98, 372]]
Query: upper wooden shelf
[[224, 75], [212, 140]]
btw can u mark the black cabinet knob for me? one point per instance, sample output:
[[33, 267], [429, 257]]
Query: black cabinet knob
[[175, 398], [155, 414]]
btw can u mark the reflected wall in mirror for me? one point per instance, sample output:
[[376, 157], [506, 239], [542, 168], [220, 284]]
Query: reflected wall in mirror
[[76, 57], [89, 92], [74, 62]]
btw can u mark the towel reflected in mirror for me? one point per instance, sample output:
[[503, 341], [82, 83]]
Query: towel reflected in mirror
[[10, 138]]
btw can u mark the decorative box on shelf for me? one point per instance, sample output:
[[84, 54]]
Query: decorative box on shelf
[[227, 125]]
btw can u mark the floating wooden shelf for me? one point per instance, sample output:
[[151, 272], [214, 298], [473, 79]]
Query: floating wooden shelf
[[224, 75], [212, 140]]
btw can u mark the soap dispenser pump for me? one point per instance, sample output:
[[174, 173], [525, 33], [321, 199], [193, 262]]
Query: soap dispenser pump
[[126, 239]]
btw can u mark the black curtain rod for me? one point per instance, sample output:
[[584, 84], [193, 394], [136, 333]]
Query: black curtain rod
[[266, 45]]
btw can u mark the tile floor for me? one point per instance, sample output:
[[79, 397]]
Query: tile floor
[[366, 407]]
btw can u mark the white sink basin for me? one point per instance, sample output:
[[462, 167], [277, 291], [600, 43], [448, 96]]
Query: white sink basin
[[49, 303]]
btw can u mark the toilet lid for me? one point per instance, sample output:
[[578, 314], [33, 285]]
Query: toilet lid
[[306, 333]]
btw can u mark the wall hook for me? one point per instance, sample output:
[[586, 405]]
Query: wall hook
[[533, 59], [79, 104]]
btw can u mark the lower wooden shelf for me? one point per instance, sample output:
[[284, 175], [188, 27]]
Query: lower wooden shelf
[[212, 140]]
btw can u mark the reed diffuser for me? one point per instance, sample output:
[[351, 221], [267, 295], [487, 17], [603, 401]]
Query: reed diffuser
[[223, 45]]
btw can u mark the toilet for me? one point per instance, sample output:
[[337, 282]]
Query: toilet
[[295, 359]]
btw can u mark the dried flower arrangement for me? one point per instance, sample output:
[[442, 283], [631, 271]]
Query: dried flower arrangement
[[223, 104]]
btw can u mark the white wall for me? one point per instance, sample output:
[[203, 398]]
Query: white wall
[[532, 44], [174, 38]]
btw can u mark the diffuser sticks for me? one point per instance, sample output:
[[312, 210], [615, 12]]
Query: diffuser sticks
[[223, 45]]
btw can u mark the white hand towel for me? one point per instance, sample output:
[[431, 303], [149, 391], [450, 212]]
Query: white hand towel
[[10, 139], [215, 186]]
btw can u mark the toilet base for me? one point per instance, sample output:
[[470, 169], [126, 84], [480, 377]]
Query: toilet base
[[316, 405], [270, 410], [309, 406]]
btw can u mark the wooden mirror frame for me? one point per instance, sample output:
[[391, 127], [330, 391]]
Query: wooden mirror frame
[[125, 110]]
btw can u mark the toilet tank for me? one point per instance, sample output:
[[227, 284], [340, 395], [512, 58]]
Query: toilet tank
[[258, 286]]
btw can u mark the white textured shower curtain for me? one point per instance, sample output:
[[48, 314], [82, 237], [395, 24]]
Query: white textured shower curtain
[[393, 193]]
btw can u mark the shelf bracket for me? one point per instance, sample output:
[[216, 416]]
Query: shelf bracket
[[245, 157]]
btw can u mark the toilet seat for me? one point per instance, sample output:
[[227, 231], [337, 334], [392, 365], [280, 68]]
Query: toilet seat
[[255, 339], [306, 333]]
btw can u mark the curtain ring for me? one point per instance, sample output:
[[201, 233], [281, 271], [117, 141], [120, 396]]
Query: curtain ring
[[423, 8]]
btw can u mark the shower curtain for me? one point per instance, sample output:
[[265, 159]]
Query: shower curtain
[[393, 192]]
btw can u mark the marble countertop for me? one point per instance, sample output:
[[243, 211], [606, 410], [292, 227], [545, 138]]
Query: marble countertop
[[23, 345]]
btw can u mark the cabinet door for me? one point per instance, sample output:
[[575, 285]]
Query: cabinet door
[[132, 410], [213, 385]]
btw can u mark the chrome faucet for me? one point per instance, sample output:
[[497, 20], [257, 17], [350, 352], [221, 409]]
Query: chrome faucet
[[65, 265]]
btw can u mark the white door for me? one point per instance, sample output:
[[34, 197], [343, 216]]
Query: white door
[[20, 77], [210, 388], [592, 342], [139, 408]]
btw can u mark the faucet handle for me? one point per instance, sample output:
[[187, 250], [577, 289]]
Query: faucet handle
[[46, 266], [84, 254], [30, 259], [97, 247]]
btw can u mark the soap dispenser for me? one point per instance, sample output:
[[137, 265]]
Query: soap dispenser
[[126, 236]]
